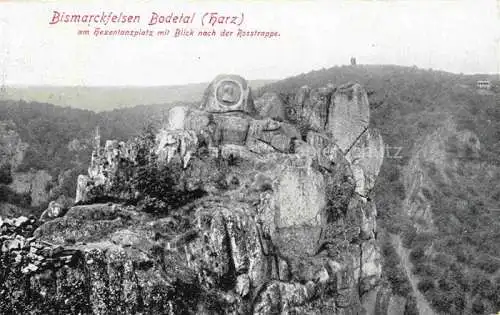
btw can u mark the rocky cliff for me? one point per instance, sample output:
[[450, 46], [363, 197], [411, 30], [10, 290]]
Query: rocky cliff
[[12, 148], [19, 189], [267, 210], [31, 183], [438, 159]]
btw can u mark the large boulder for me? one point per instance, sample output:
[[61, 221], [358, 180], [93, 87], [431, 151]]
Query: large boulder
[[314, 105], [231, 129], [185, 118], [268, 135], [348, 115], [327, 152], [270, 105]]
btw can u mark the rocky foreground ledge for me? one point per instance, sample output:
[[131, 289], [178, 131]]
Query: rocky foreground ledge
[[273, 214]]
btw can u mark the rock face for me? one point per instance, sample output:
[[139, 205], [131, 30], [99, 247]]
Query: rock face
[[349, 115], [342, 113], [301, 197], [366, 157], [12, 148], [270, 105], [181, 144], [33, 183], [434, 158], [106, 171], [280, 223]]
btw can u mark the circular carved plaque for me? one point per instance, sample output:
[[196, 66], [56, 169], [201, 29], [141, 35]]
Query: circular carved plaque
[[228, 93]]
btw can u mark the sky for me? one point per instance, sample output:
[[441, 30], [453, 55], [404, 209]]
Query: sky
[[455, 36]]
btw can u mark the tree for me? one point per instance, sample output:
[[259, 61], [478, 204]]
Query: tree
[[156, 183]]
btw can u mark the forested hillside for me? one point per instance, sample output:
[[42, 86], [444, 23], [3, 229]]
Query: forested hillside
[[439, 184], [48, 129]]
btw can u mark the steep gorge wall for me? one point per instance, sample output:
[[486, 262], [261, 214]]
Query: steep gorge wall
[[430, 167], [450, 194], [30, 183], [36, 186]]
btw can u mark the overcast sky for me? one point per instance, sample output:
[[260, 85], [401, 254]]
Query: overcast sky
[[456, 36]]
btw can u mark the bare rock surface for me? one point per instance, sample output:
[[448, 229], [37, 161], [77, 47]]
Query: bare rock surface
[[270, 105], [301, 197], [260, 216], [348, 115], [12, 148], [33, 183], [366, 157], [436, 155]]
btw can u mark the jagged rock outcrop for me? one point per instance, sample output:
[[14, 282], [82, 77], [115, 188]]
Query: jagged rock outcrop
[[342, 113], [312, 106], [181, 144], [107, 171], [349, 115], [277, 220]]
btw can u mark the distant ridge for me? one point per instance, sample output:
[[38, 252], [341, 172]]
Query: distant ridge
[[107, 98], [373, 76]]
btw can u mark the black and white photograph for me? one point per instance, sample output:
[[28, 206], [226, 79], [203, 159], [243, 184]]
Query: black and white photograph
[[250, 157]]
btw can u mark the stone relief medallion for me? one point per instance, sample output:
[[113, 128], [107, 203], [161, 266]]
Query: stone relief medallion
[[228, 93]]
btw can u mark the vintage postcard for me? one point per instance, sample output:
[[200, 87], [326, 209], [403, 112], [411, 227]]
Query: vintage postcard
[[250, 157]]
